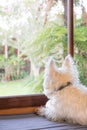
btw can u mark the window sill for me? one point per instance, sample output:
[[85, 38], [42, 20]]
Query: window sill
[[21, 104]]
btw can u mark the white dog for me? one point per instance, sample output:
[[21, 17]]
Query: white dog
[[67, 96]]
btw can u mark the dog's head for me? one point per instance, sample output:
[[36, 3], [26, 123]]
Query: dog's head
[[55, 77]]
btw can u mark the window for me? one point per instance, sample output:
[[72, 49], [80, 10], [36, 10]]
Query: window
[[15, 40], [31, 31]]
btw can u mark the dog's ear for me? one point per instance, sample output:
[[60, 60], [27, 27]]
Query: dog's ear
[[69, 65], [68, 62], [50, 65]]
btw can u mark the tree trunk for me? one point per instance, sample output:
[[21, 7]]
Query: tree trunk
[[84, 16], [6, 51], [48, 8], [34, 70]]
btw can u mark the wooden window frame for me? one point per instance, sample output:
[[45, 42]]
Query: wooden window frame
[[34, 100]]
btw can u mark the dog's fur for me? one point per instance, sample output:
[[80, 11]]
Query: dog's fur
[[67, 96]]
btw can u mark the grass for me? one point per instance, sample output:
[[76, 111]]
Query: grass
[[17, 87]]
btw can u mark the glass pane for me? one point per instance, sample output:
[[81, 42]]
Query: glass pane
[[80, 37], [31, 31]]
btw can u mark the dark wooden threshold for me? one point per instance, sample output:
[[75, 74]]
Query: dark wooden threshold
[[23, 101]]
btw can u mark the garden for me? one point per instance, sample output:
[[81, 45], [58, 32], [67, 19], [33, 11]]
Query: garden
[[31, 31]]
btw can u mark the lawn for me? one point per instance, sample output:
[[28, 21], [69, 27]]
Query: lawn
[[17, 87]]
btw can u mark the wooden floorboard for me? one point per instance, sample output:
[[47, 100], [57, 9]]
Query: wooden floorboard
[[34, 122]]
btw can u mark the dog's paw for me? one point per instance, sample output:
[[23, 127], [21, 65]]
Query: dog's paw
[[40, 111]]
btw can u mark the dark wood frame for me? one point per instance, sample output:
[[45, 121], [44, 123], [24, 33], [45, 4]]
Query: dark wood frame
[[70, 27], [39, 99], [33, 100]]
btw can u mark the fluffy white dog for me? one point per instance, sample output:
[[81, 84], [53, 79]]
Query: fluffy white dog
[[67, 96]]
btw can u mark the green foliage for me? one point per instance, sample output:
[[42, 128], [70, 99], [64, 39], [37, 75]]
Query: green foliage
[[81, 51], [13, 63], [2, 61], [47, 41], [22, 75], [35, 83], [82, 68], [77, 2], [81, 36]]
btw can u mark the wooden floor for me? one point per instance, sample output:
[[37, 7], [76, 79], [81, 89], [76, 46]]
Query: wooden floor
[[33, 122]]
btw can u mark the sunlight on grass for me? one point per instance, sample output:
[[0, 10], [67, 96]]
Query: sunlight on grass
[[18, 87]]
